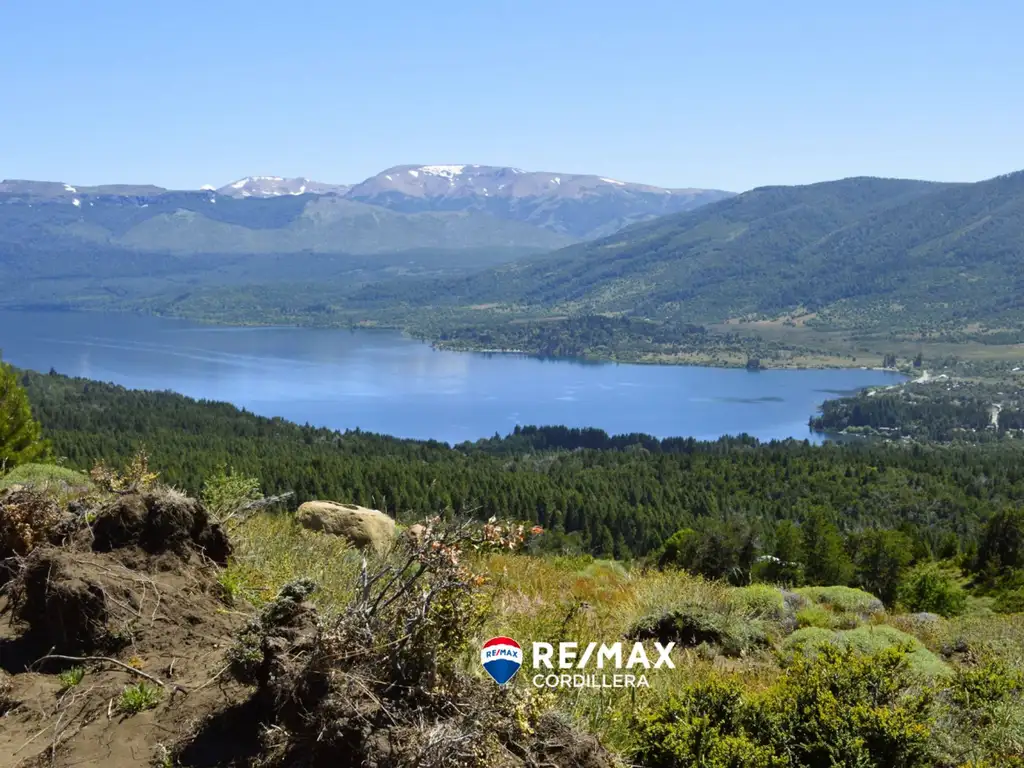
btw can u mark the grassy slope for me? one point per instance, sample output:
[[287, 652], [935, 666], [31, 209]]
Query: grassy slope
[[551, 599]]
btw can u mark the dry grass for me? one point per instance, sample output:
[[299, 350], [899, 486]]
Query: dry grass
[[561, 598], [272, 550]]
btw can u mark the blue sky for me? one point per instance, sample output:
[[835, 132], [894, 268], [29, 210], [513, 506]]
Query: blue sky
[[729, 94]]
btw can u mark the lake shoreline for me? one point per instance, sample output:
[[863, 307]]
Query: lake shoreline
[[381, 380], [798, 361]]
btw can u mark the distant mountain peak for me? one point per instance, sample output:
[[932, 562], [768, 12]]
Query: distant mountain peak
[[582, 206], [278, 186]]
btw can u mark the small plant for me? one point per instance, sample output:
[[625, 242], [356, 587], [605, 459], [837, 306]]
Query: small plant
[[133, 478], [163, 758], [231, 585], [26, 519], [124, 635], [228, 495], [71, 678], [138, 698]]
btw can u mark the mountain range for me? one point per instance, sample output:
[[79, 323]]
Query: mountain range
[[849, 254], [402, 208]]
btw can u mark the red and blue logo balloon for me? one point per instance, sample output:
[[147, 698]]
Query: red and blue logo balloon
[[502, 657]]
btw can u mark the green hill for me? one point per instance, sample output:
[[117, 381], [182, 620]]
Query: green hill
[[859, 252]]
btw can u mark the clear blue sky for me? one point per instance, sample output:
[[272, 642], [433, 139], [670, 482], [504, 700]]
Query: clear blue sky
[[722, 93]]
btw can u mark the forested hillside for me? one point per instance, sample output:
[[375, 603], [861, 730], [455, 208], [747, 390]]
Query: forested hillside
[[622, 496], [860, 253]]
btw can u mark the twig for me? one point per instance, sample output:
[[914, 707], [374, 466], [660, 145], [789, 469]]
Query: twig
[[38, 734], [222, 670], [115, 662]]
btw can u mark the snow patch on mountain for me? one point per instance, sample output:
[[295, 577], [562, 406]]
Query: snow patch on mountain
[[447, 171]]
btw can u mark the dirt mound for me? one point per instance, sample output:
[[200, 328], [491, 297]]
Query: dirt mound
[[158, 521], [121, 652], [116, 633]]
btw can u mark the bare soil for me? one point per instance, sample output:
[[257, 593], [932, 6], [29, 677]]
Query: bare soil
[[134, 599]]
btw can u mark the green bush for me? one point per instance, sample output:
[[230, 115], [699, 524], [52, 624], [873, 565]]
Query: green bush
[[933, 587], [846, 599], [44, 476], [816, 616], [1011, 601], [760, 600], [867, 640], [702, 726], [982, 717], [839, 708]]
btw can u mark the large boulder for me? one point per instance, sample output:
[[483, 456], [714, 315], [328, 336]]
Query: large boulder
[[363, 527]]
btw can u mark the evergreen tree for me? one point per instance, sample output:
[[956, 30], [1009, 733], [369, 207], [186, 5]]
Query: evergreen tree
[[880, 557], [20, 435], [825, 559]]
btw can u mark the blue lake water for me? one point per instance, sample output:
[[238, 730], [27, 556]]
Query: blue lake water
[[383, 382]]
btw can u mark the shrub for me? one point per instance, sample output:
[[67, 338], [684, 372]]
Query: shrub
[[227, 495], [816, 616], [702, 726], [868, 640], [1010, 601], [839, 708], [934, 588], [760, 600], [27, 518], [846, 599], [134, 478], [845, 708], [45, 477], [982, 718]]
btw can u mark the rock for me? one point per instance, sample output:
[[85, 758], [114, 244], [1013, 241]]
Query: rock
[[925, 618], [416, 533], [363, 527]]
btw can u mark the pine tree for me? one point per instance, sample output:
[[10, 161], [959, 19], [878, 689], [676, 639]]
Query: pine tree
[[825, 560], [20, 435]]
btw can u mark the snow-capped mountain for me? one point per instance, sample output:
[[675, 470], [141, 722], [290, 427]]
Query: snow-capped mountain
[[494, 181], [407, 206], [276, 186], [583, 206]]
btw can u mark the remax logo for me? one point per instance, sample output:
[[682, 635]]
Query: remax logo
[[502, 657]]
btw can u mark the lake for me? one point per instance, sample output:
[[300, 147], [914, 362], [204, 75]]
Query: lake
[[382, 382]]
